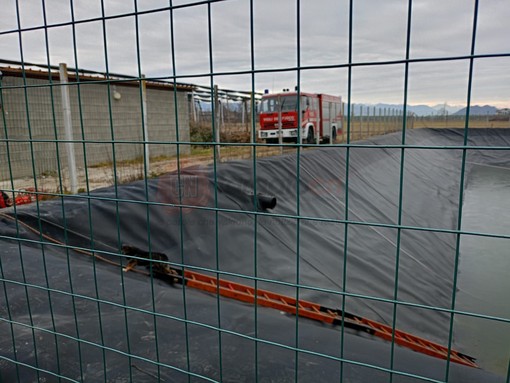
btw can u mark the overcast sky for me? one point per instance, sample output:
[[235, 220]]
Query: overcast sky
[[440, 28]]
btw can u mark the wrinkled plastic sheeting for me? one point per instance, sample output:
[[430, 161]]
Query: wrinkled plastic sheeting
[[75, 316]]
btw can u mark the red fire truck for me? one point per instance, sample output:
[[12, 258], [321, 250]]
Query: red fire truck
[[321, 117]]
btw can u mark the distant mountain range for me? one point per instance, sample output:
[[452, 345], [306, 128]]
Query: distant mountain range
[[478, 110], [425, 110], [419, 110]]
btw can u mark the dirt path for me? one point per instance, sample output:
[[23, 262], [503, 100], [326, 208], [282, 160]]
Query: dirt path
[[102, 176]]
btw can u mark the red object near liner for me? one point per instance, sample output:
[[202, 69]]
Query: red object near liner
[[23, 197], [323, 314]]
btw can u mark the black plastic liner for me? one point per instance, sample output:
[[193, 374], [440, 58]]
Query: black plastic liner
[[75, 316]]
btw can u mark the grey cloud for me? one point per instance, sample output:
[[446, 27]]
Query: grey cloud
[[439, 29]]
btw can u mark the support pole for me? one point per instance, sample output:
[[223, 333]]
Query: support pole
[[145, 126], [243, 109], [68, 128], [361, 122], [379, 122], [193, 107], [368, 121], [216, 123], [352, 123], [386, 120]]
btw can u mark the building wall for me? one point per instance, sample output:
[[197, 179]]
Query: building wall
[[108, 129]]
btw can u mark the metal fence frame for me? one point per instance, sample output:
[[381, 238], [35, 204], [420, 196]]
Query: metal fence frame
[[179, 143]]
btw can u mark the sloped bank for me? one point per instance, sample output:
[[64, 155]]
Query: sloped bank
[[102, 317]]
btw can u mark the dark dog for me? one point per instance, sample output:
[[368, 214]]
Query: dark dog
[[160, 269]]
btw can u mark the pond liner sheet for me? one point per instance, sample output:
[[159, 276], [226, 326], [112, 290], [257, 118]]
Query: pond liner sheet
[[66, 314]]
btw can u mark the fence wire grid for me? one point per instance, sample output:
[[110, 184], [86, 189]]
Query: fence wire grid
[[123, 118]]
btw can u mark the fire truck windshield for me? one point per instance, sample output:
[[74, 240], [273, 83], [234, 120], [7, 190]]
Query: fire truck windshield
[[270, 104]]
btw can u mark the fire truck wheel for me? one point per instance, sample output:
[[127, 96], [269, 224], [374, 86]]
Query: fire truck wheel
[[310, 139]]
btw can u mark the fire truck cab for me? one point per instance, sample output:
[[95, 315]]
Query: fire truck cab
[[320, 117]]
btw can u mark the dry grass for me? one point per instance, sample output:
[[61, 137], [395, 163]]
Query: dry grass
[[475, 122]]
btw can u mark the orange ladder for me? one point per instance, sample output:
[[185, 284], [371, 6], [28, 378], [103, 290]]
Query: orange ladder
[[320, 313], [290, 305]]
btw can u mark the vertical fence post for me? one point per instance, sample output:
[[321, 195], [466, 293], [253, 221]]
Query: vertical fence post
[[68, 128], [193, 107], [199, 111], [222, 113], [243, 107], [225, 109], [145, 125], [343, 125], [368, 121], [377, 116], [374, 122], [216, 122], [360, 121], [379, 121], [352, 124], [384, 121]]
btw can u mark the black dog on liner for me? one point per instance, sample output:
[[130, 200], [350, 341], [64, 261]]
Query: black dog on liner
[[160, 268]]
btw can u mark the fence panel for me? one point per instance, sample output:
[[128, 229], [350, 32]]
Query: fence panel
[[185, 256]]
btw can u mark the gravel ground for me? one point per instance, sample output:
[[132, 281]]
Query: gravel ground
[[102, 176]]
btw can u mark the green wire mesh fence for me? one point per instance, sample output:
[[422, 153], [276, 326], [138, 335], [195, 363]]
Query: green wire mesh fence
[[150, 232]]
